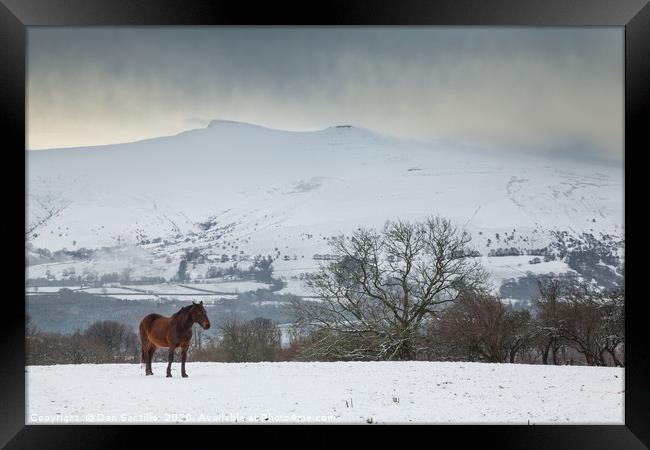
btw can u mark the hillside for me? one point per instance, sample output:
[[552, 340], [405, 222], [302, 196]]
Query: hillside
[[235, 190]]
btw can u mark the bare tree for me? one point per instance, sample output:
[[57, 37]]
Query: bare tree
[[549, 314], [266, 338], [254, 340], [236, 340], [479, 327], [520, 332], [102, 342], [574, 316], [613, 309], [384, 285], [593, 323], [117, 338]]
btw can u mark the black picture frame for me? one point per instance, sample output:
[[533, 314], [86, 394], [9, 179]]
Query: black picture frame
[[16, 15]]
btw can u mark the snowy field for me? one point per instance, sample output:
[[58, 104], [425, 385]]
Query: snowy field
[[341, 392], [207, 292]]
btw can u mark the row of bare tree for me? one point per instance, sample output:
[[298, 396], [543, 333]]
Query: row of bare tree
[[573, 324], [240, 341], [101, 342], [415, 291], [114, 342]]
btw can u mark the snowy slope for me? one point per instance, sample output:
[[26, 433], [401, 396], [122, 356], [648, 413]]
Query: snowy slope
[[238, 188], [340, 392]]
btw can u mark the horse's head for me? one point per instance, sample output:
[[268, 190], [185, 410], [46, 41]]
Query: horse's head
[[199, 315]]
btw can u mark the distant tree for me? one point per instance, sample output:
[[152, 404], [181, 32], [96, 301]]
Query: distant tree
[[125, 276], [194, 255], [479, 327], [113, 335], [102, 342], [213, 272], [519, 332], [593, 324], [254, 340], [208, 350], [109, 278], [182, 270], [266, 338], [549, 311], [613, 310], [262, 270]]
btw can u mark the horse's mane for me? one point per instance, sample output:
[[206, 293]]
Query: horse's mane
[[184, 309]]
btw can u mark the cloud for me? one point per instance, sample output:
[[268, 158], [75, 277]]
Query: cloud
[[522, 89]]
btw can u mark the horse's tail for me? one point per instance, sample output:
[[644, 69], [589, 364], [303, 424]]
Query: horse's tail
[[143, 341]]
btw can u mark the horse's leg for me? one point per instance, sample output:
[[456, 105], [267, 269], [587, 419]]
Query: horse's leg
[[143, 357], [150, 353], [183, 358], [170, 360]]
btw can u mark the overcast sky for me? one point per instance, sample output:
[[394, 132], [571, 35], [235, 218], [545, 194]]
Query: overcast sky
[[523, 89]]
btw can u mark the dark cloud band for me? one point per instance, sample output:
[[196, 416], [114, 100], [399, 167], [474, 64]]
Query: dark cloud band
[[546, 89]]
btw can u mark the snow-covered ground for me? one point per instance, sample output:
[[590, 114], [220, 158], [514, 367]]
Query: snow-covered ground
[[340, 392]]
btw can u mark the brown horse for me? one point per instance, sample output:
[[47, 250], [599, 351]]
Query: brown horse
[[171, 332]]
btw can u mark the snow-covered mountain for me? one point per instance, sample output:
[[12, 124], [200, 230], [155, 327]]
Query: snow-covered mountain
[[239, 188]]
